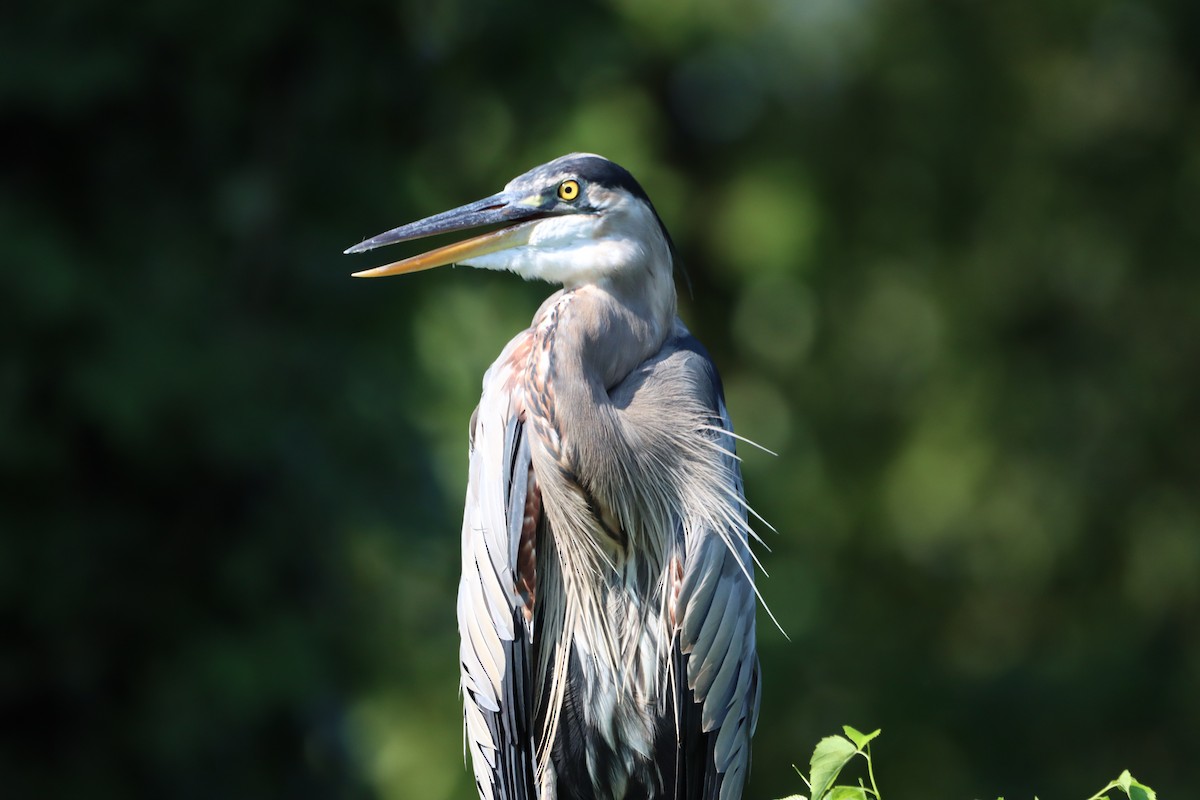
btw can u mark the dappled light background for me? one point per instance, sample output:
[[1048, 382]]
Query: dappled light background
[[944, 254]]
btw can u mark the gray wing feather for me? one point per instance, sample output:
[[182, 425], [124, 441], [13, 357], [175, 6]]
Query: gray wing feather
[[717, 632], [494, 643]]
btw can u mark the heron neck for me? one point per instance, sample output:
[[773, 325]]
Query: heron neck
[[607, 329], [586, 341]]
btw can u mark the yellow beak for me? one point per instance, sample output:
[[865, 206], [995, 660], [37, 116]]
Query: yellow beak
[[491, 242], [519, 213]]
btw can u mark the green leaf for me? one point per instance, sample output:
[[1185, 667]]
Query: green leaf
[[1132, 788], [1123, 780], [1140, 791], [830, 755], [794, 797], [859, 738], [846, 793]]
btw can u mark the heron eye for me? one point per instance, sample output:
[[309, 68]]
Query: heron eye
[[568, 190]]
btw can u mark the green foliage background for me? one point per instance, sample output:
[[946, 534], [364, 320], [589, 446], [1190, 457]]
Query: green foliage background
[[944, 254]]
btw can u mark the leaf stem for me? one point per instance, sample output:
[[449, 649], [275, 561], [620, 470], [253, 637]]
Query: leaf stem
[[1101, 795], [871, 773]]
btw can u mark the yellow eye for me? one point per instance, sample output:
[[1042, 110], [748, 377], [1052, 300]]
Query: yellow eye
[[568, 190]]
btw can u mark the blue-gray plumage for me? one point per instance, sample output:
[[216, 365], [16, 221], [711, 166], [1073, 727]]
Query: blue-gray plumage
[[607, 601]]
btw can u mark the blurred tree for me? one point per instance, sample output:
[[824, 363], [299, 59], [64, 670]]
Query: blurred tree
[[943, 252]]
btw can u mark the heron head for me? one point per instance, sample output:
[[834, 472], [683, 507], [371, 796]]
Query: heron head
[[577, 219]]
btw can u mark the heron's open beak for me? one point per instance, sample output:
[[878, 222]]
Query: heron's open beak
[[520, 212]]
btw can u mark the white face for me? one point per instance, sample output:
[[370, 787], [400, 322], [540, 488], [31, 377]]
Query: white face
[[616, 232]]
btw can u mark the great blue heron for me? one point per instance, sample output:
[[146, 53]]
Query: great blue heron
[[607, 600]]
